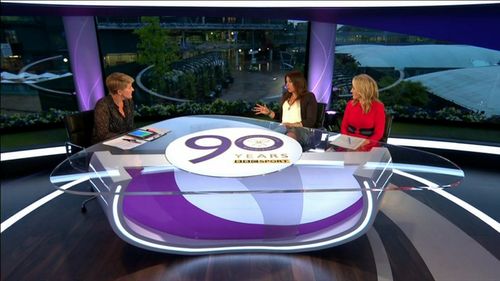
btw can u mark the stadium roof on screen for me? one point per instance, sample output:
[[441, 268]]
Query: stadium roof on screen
[[472, 70]]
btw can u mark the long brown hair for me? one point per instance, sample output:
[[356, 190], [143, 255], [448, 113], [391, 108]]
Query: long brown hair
[[367, 90], [298, 81]]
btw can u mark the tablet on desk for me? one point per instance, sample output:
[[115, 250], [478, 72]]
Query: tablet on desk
[[141, 134]]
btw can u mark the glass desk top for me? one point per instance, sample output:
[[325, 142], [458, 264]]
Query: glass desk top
[[319, 161], [214, 184]]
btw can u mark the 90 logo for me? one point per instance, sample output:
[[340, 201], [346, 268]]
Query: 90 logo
[[213, 152], [250, 143]]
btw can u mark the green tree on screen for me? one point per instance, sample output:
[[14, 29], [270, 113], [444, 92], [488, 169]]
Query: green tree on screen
[[406, 93], [346, 64], [155, 48], [189, 86]]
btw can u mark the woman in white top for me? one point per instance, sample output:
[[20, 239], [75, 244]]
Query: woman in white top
[[298, 106]]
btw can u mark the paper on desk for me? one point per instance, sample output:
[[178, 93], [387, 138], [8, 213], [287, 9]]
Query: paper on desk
[[346, 141], [123, 144]]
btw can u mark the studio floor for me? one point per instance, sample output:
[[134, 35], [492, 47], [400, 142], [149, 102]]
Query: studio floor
[[417, 235]]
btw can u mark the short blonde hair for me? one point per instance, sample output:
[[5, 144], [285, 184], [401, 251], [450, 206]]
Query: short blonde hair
[[367, 89], [118, 81]]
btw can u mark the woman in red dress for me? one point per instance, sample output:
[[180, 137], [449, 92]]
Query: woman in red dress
[[364, 115]]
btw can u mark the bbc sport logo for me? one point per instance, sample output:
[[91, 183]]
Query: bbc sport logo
[[237, 161], [215, 152]]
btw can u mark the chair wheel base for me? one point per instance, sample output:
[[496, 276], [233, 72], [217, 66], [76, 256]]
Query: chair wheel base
[[83, 209]]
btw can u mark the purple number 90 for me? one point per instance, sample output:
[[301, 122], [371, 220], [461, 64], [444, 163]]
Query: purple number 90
[[225, 144]]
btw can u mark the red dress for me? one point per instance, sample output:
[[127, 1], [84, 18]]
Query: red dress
[[358, 124]]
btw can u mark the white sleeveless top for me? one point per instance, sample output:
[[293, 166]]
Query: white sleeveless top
[[291, 113]]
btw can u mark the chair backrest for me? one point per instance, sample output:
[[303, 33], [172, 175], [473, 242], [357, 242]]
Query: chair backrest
[[320, 115], [387, 129], [79, 127]]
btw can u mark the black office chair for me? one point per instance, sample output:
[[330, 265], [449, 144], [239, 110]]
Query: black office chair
[[320, 115], [387, 129], [79, 128], [314, 136], [332, 121]]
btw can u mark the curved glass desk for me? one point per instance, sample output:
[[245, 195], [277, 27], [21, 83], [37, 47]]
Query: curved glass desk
[[234, 184]]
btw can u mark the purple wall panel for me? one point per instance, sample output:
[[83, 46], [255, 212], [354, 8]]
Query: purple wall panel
[[85, 62], [321, 58]]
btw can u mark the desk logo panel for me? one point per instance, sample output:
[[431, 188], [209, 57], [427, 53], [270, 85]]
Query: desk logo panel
[[233, 152]]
